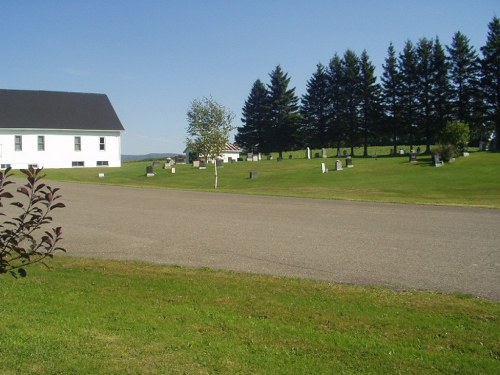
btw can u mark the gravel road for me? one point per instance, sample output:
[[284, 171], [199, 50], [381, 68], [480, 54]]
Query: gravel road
[[447, 249]]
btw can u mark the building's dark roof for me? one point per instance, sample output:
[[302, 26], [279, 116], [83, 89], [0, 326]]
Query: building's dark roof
[[23, 109]]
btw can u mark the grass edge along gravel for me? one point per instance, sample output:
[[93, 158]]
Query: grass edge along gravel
[[90, 316], [473, 181]]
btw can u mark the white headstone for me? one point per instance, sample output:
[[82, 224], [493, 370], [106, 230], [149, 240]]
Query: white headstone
[[101, 175], [338, 165], [323, 151], [173, 170], [308, 153], [323, 168]]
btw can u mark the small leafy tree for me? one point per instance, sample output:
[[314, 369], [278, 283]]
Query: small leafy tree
[[454, 138], [21, 241], [208, 130]]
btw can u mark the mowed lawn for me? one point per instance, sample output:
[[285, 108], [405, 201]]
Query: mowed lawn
[[86, 316], [107, 317], [469, 181]]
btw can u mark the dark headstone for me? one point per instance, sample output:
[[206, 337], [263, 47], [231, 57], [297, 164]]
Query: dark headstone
[[345, 153], [348, 162], [253, 175], [413, 157], [219, 163], [179, 159], [240, 159], [316, 154], [290, 156], [156, 163], [203, 164], [149, 171]]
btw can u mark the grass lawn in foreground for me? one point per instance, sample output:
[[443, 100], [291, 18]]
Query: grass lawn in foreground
[[89, 316], [471, 181]]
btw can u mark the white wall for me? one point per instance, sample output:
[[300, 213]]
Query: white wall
[[59, 148]]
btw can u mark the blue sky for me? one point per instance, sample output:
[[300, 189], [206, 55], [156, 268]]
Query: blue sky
[[152, 58]]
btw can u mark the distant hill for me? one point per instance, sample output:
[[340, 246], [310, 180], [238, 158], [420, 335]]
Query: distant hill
[[148, 156]]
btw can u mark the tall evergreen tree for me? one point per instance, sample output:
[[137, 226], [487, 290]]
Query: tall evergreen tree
[[391, 95], [336, 129], [251, 135], [370, 101], [425, 83], [491, 76], [284, 116], [409, 89], [464, 78], [315, 110], [439, 95], [351, 97]]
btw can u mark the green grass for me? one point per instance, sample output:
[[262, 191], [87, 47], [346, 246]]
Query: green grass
[[106, 317], [472, 181]]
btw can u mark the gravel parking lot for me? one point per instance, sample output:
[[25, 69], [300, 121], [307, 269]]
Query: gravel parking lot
[[447, 249]]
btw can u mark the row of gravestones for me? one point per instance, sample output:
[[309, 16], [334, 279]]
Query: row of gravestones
[[338, 165]]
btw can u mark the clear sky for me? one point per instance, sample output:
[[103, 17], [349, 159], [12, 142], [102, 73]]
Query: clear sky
[[152, 58]]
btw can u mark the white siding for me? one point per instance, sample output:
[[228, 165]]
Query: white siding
[[59, 148]]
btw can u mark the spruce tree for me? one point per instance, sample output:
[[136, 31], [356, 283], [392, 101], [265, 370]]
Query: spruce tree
[[409, 90], [440, 91], [351, 97], [424, 52], [315, 110], [251, 135], [370, 101], [336, 130], [464, 78], [491, 76], [284, 116], [391, 95]]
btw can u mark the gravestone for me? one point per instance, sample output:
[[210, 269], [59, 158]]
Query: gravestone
[[345, 153], [156, 163], [324, 169], [250, 156], [259, 156], [255, 158], [196, 163], [323, 153], [437, 160], [338, 165], [253, 175], [179, 159], [149, 171], [348, 162], [173, 170], [401, 152], [308, 153], [240, 159], [230, 159], [413, 157], [101, 175], [203, 164], [167, 166], [219, 163], [290, 156], [339, 154], [316, 155], [465, 154]]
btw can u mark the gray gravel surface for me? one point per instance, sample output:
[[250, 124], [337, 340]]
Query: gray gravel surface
[[447, 249]]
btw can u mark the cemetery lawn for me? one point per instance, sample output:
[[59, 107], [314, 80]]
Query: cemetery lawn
[[470, 181], [86, 316]]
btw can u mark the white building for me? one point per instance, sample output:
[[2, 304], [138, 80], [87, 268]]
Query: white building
[[231, 153], [58, 130]]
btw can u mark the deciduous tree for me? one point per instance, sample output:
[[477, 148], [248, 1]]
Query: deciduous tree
[[209, 126]]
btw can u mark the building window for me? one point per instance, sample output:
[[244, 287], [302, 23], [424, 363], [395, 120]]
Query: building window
[[18, 142], [102, 144], [41, 143], [5, 166], [78, 143], [103, 163], [78, 164], [32, 166]]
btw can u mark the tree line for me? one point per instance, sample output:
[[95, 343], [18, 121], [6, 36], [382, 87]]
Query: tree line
[[422, 88]]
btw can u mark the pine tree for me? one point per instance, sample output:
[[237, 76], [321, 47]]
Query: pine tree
[[284, 116], [391, 95], [464, 70], [351, 96], [336, 131], [315, 110], [424, 53], [409, 89], [251, 135], [491, 76], [370, 101]]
